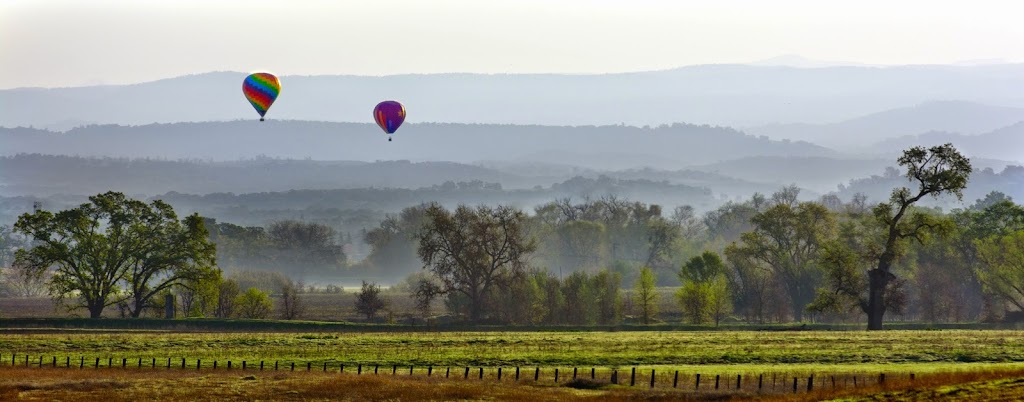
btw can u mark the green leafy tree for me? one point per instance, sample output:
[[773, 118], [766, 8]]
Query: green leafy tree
[[393, 242], [646, 296], [114, 246], [1002, 268], [786, 240], [582, 244], [608, 296], [935, 171], [719, 300], [578, 296], [474, 250], [254, 304], [704, 294], [228, 292], [176, 254], [304, 247], [199, 297]]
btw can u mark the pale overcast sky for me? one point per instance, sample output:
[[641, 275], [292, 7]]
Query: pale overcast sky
[[72, 43]]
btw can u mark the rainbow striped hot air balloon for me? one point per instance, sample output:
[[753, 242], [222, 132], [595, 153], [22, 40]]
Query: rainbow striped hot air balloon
[[261, 89], [389, 115]]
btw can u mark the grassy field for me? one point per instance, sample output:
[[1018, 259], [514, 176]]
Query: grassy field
[[689, 349], [838, 359], [34, 384]]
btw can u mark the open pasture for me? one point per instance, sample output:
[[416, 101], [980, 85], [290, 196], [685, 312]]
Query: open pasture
[[690, 349]]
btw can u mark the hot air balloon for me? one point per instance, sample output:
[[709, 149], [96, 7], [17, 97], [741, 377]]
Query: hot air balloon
[[261, 89], [389, 115]]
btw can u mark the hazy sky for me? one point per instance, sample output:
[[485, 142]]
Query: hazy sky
[[71, 43]]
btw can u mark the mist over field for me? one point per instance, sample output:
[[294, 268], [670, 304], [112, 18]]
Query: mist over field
[[511, 200]]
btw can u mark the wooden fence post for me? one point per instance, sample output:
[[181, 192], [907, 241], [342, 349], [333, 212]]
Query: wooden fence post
[[447, 370], [261, 365], [293, 365], [81, 364], [97, 364], [410, 370], [199, 363], [536, 374], [632, 378], [652, 378], [810, 383], [556, 374], [430, 370], [214, 364], [697, 387], [760, 381], [243, 365], [675, 381], [465, 375], [738, 376], [794, 385], [375, 367], [229, 364], [517, 373], [881, 378], [615, 376], [325, 367], [309, 366], [481, 373], [182, 362], [574, 372], [394, 369], [593, 373], [716, 380], [499, 373]]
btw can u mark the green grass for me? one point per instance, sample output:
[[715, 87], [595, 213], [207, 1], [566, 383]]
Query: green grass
[[743, 351]]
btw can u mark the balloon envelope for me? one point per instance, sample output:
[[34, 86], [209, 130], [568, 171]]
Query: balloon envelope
[[389, 115], [261, 90]]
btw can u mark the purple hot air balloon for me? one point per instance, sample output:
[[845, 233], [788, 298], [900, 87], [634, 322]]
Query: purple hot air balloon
[[389, 115]]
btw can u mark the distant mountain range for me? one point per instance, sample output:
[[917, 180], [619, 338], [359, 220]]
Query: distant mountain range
[[732, 95], [862, 133], [1005, 143], [602, 147]]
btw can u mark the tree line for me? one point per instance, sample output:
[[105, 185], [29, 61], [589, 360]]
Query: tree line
[[597, 261]]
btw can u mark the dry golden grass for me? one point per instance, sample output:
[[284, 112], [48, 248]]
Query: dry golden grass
[[109, 385], [31, 384], [936, 386]]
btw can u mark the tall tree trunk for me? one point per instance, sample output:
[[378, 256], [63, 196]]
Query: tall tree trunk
[[878, 281], [474, 305], [138, 308], [95, 310]]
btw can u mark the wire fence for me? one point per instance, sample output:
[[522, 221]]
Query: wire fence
[[653, 378]]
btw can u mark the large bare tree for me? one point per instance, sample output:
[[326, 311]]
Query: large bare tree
[[473, 250]]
